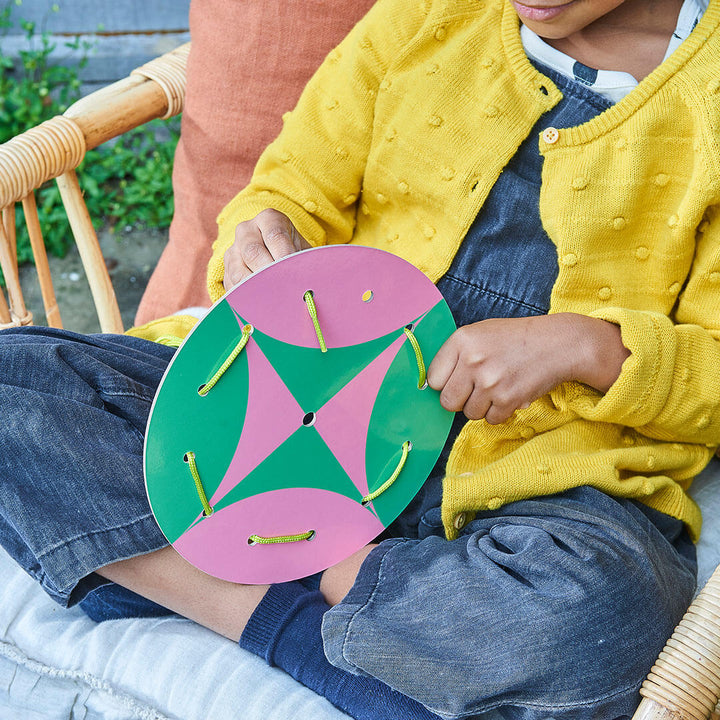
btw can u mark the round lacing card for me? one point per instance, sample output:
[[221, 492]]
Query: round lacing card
[[294, 423]]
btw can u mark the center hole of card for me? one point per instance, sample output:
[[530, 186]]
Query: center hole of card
[[309, 419]]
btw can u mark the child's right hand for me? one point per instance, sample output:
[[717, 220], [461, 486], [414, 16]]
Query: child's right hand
[[269, 236]]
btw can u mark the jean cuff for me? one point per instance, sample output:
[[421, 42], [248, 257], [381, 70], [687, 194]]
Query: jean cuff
[[337, 622]]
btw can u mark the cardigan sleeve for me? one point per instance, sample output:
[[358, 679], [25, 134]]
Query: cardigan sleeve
[[313, 171], [669, 387]]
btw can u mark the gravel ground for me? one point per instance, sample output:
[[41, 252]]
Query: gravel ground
[[130, 253]]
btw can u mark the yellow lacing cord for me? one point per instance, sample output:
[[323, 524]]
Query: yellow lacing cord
[[169, 340], [310, 302], [406, 447], [210, 384], [260, 540], [190, 460], [422, 373]]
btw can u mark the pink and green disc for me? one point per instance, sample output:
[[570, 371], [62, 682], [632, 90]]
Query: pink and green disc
[[291, 440]]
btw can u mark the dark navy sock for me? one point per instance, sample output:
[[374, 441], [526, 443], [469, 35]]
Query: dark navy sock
[[284, 630]]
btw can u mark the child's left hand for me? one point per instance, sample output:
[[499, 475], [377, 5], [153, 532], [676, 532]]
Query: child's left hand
[[491, 368]]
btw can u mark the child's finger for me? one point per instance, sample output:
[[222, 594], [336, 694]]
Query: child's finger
[[278, 234], [442, 365], [456, 391]]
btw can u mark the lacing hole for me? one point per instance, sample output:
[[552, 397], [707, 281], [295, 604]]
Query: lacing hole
[[200, 389], [410, 445], [208, 514], [248, 328], [410, 327], [543, 90], [424, 385], [186, 458], [367, 296], [308, 292], [309, 419], [251, 542], [311, 536]]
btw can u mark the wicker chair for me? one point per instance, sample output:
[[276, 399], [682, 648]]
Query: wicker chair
[[684, 684]]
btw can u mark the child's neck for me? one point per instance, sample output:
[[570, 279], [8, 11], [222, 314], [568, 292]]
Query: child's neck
[[632, 38]]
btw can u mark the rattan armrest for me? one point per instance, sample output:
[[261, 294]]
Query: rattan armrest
[[54, 149], [684, 683]]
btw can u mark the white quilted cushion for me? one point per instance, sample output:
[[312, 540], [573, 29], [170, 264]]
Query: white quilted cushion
[[60, 665]]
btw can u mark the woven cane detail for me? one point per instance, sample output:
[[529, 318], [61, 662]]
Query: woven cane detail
[[686, 677], [168, 71], [38, 155]]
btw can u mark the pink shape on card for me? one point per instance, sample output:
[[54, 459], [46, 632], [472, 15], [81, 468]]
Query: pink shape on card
[[219, 543], [344, 420], [272, 416], [340, 276]]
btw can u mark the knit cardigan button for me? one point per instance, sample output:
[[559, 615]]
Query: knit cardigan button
[[551, 135], [642, 253], [569, 259], [605, 293]]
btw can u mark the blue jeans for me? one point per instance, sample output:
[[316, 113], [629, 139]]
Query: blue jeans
[[554, 607]]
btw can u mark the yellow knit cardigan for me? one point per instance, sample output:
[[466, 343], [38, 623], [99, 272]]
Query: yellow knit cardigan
[[396, 143]]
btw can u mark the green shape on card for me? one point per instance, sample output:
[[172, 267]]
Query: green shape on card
[[303, 460], [338, 366], [183, 421], [404, 412]]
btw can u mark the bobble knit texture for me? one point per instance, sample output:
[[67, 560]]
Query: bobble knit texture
[[396, 144]]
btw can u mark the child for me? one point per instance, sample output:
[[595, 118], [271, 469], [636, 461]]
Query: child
[[568, 215]]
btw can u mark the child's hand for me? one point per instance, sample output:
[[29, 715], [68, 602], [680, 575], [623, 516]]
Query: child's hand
[[491, 368], [269, 236]]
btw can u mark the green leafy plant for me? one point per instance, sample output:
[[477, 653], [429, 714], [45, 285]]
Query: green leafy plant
[[127, 181]]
